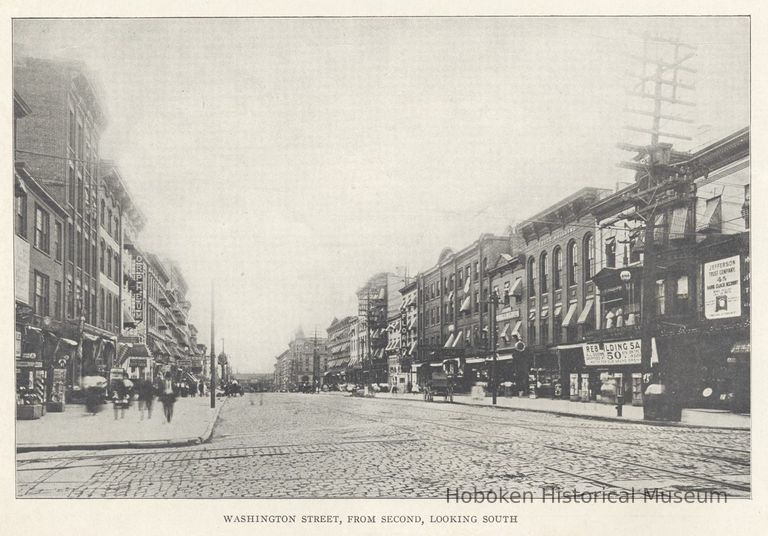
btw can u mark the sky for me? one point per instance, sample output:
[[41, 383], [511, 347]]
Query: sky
[[288, 160]]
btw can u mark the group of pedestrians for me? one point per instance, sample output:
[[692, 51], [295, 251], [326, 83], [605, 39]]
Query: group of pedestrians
[[145, 390]]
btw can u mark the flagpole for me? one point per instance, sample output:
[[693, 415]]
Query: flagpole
[[213, 352]]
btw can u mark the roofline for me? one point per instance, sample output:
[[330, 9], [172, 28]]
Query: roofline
[[540, 216], [24, 174]]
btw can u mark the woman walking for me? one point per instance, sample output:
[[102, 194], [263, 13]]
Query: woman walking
[[146, 398], [168, 397]]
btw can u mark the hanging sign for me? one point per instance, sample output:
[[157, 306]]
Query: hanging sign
[[138, 296], [722, 288], [613, 353]]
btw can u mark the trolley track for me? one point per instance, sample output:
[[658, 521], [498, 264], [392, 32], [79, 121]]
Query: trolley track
[[674, 472]]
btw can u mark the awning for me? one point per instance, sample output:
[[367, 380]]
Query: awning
[[505, 357], [532, 316], [678, 226], [382, 294], [544, 312], [191, 377], [68, 342], [436, 365], [712, 216], [570, 315], [89, 337], [505, 332], [458, 340], [558, 311], [587, 312], [467, 285], [138, 350], [741, 348], [449, 342], [412, 348], [517, 288], [128, 319], [569, 346], [412, 323], [516, 330], [466, 305], [474, 360]]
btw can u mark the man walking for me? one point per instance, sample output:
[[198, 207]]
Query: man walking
[[146, 398]]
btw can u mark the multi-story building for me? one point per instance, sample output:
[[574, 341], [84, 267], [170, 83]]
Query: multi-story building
[[453, 306], [59, 144], [409, 327], [340, 334], [156, 304], [699, 325], [378, 300], [43, 355], [283, 371], [558, 245], [306, 359]]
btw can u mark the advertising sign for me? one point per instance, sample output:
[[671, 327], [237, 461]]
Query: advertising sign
[[116, 374], [21, 269], [18, 345], [613, 353], [508, 314], [138, 296], [722, 288]]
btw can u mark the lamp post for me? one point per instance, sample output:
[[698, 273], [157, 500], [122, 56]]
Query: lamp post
[[626, 278]]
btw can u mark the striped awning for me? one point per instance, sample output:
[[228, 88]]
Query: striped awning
[[586, 312], [570, 315]]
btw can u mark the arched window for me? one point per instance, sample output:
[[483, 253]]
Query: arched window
[[544, 267], [109, 262], [103, 210], [557, 268], [589, 257], [103, 253], [573, 255], [531, 277]]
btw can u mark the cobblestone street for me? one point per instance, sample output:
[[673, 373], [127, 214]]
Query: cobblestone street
[[329, 445]]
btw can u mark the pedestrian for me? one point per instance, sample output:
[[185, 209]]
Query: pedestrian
[[168, 397], [201, 387], [119, 398], [146, 398]]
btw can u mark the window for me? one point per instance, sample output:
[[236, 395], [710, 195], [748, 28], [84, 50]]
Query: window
[[531, 277], [71, 182], [610, 252], [573, 255], [450, 282], [477, 301], [532, 332], [485, 300], [80, 140], [101, 257], [42, 229], [682, 294], [117, 268], [468, 271], [94, 260], [58, 238], [460, 279], [41, 294], [57, 300], [79, 247], [109, 310], [661, 298], [79, 194], [21, 214], [86, 304], [70, 298], [117, 229], [102, 210], [545, 331], [72, 130], [544, 267], [477, 269], [87, 253], [78, 299], [485, 265], [557, 268], [589, 257], [71, 250], [117, 314], [93, 308], [109, 222]]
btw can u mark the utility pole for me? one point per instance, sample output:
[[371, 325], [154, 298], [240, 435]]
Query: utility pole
[[213, 352], [493, 302], [659, 183]]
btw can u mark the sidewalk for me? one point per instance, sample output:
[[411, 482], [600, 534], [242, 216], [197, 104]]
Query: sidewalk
[[595, 410], [192, 424]]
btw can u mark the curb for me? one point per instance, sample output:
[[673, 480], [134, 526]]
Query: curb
[[146, 444], [592, 417]]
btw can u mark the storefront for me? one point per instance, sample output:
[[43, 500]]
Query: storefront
[[606, 371]]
